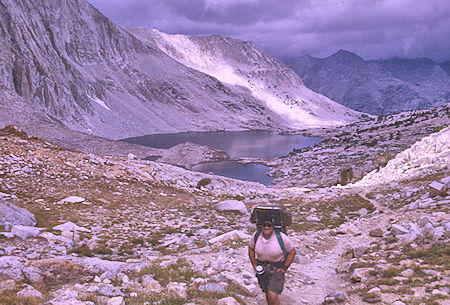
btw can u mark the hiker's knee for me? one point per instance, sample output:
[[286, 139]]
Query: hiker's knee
[[272, 298]]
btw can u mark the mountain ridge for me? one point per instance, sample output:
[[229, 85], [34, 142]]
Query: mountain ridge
[[66, 63], [243, 64], [376, 86]]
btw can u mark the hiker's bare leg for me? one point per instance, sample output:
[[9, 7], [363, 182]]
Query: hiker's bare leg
[[272, 298]]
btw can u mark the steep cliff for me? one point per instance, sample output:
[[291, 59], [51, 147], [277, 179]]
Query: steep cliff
[[63, 61]]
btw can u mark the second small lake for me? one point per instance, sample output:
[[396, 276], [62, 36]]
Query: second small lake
[[238, 144]]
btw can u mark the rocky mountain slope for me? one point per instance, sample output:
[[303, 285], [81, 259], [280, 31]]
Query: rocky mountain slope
[[114, 230], [65, 62], [376, 86], [446, 66], [243, 65], [349, 152]]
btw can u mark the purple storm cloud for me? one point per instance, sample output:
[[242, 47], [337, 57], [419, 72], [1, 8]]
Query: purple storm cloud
[[286, 29]]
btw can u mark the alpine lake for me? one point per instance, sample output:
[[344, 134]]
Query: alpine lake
[[250, 144]]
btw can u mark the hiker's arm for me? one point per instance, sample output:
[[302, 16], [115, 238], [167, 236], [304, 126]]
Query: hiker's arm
[[288, 261], [251, 255]]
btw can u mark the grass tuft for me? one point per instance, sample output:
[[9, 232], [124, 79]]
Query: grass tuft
[[179, 271]]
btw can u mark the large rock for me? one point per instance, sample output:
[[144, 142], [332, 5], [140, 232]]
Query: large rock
[[116, 301], [71, 227], [11, 267], [213, 287], [71, 199], [359, 251], [232, 205], [109, 291], [235, 234], [55, 239], [177, 289], [68, 301], [9, 213], [412, 234], [188, 154], [362, 274], [32, 275], [227, 301], [335, 297], [98, 265], [376, 232], [150, 284], [437, 188], [24, 232], [398, 230], [7, 285], [29, 292]]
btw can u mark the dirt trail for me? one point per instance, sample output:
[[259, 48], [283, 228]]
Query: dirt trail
[[312, 279], [314, 276]]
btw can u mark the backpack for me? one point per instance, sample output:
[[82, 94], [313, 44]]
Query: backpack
[[278, 215]]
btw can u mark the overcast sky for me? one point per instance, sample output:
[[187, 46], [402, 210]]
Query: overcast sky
[[292, 28]]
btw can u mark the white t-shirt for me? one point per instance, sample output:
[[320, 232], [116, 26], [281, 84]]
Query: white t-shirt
[[269, 250]]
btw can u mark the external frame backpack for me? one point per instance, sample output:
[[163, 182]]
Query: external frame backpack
[[278, 215]]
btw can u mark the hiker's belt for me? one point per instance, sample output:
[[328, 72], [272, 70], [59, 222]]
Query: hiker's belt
[[277, 265]]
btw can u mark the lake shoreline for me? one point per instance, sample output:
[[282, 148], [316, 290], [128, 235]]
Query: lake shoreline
[[236, 154]]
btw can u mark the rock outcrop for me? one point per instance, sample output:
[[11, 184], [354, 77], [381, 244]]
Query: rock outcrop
[[11, 214], [189, 154]]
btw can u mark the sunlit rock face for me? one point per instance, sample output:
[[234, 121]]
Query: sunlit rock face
[[376, 86], [63, 61], [242, 65]]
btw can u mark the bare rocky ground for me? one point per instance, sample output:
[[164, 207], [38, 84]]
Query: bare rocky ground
[[141, 232], [361, 147]]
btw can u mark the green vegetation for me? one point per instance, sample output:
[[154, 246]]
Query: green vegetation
[[102, 251], [203, 182], [383, 158], [179, 271], [81, 251], [332, 213], [154, 299], [391, 272], [9, 298], [137, 241], [438, 254]]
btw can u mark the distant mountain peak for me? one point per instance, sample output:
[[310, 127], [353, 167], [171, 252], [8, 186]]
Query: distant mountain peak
[[377, 86], [345, 55]]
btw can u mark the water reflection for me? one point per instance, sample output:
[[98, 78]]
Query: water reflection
[[250, 144], [238, 144], [233, 169]]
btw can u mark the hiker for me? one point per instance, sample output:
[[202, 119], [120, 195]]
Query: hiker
[[274, 261]]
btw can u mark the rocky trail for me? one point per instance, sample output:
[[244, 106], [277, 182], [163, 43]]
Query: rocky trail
[[313, 279], [79, 228]]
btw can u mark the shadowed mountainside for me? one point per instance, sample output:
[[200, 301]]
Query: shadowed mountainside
[[63, 61], [376, 86]]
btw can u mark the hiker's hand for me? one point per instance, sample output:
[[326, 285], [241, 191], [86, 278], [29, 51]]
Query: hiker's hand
[[282, 270]]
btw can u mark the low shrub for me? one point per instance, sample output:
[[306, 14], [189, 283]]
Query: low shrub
[[203, 182]]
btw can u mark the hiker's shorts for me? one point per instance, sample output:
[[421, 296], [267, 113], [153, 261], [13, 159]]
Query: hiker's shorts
[[271, 279]]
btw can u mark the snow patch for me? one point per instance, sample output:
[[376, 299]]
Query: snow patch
[[101, 103]]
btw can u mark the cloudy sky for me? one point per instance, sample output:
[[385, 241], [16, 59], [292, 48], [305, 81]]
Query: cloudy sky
[[291, 28]]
